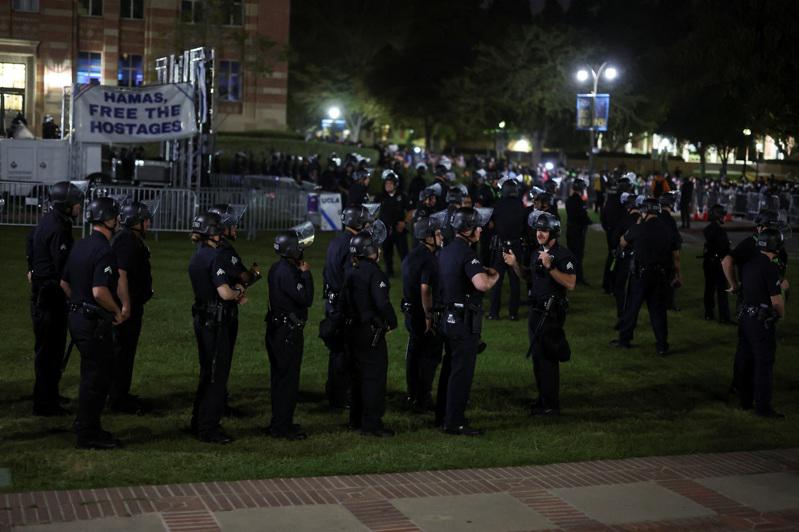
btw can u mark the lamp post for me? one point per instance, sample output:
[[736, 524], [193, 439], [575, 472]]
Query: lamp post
[[747, 133], [583, 75]]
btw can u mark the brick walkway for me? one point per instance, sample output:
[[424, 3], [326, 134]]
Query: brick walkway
[[732, 491]]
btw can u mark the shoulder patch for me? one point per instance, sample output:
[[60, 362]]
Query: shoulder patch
[[107, 270], [570, 266], [63, 247], [220, 272], [475, 261], [234, 260], [382, 284], [299, 287]]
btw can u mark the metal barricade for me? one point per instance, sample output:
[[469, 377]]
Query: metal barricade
[[793, 209], [176, 206], [752, 204], [739, 206], [24, 202]]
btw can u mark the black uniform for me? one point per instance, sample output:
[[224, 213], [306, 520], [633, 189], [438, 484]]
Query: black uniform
[[290, 297], [441, 200], [549, 347], [686, 197], [461, 324], [486, 196], [337, 261], [416, 186], [133, 256], [392, 210], [424, 347], [328, 180], [653, 243], [208, 269], [757, 343], [668, 220], [717, 246], [510, 219], [577, 220], [91, 264], [623, 263], [358, 194], [369, 316], [611, 216], [48, 248]]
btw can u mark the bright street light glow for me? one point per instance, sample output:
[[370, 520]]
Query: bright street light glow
[[611, 73], [502, 125], [417, 149], [334, 112], [582, 75], [747, 132], [522, 145], [549, 166]]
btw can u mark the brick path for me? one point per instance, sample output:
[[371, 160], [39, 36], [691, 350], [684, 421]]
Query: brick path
[[563, 496]]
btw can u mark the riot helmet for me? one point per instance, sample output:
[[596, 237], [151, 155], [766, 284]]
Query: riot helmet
[[207, 225], [64, 195], [101, 210], [355, 217], [716, 213], [650, 206], [770, 240], [133, 213]]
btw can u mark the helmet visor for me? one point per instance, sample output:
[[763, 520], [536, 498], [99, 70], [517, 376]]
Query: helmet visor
[[373, 209], [305, 233], [485, 214], [378, 231], [235, 212]]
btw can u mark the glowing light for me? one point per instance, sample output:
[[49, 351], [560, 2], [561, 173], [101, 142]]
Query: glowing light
[[611, 73], [549, 166], [522, 145], [747, 131], [502, 125], [417, 149], [582, 75], [334, 112]]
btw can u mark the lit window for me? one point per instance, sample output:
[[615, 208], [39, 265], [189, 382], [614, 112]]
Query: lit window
[[229, 76], [132, 9], [12, 75], [131, 73], [25, 5], [92, 8], [233, 12], [191, 11], [90, 68]]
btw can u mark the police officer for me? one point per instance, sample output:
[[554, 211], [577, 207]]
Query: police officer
[[657, 265], [359, 189], [417, 184], [290, 297], [463, 281], [552, 273], [762, 305], [135, 289], [481, 193], [454, 199], [577, 222], [610, 217], [624, 257], [230, 217], [441, 174], [48, 247], [214, 302], [419, 289], [329, 178], [667, 201], [90, 282], [369, 316], [393, 213], [337, 260], [424, 208], [509, 220], [717, 246]]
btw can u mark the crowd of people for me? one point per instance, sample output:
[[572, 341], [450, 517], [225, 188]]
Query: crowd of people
[[464, 240]]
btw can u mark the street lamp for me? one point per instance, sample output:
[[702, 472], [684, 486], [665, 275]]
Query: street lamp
[[747, 133], [333, 112], [583, 75]]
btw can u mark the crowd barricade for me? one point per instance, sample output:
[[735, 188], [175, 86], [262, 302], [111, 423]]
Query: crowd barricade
[[176, 206], [793, 209], [22, 202]]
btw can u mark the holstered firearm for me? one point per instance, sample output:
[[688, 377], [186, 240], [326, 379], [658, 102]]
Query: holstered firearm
[[379, 331]]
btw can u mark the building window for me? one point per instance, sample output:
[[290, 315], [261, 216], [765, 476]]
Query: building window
[[233, 10], [90, 68], [93, 8], [191, 11], [25, 5], [12, 75], [131, 73], [229, 75], [132, 9]]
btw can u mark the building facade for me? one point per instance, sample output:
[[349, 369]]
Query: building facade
[[46, 45]]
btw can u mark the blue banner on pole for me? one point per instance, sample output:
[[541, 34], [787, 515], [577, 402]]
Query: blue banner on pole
[[601, 103]]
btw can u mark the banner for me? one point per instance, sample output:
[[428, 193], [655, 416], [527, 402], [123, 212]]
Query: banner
[[134, 115], [330, 209], [601, 103]]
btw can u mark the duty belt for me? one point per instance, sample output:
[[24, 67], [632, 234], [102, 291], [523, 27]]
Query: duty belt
[[291, 319]]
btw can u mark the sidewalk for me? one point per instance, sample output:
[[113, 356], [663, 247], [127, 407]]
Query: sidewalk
[[730, 491]]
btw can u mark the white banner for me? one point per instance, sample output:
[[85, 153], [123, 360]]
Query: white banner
[[134, 115], [330, 210]]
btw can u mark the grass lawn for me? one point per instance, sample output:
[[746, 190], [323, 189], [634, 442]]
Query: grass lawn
[[614, 403]]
